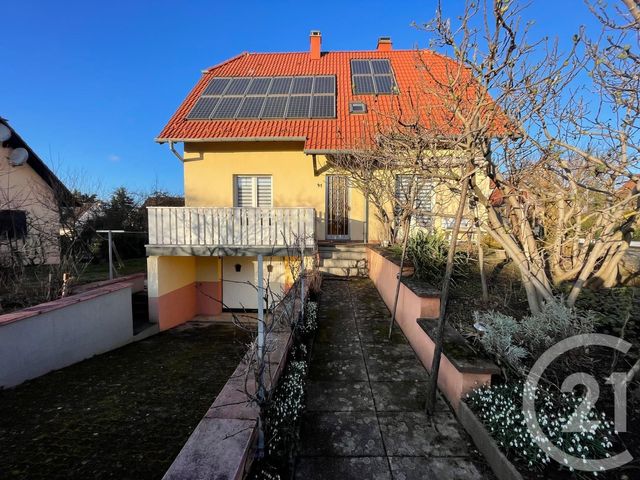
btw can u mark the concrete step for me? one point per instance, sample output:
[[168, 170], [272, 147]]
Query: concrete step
[[344, 271], [343, 262], [342, 254], [342, 247]]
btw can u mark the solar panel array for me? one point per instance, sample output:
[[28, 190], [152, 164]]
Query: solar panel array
[[372, 77], [266, 98]]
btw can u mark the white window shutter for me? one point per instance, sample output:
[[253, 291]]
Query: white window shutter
[[264, 192], [244, 191]]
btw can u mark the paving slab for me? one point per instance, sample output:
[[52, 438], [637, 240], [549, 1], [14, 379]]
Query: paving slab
[[421, 468], [392, 350], [339, 397], [408, 396], [398, 369], [341, 434], [413, 434], [365, 400], [339, 369], [345, 468]]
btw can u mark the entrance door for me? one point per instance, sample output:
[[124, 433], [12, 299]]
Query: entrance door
[[337, 207]]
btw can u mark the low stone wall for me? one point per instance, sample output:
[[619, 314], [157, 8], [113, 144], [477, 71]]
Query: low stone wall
[[136, 280], [501, 466], [456, 377], [222, 445], [53, 335]]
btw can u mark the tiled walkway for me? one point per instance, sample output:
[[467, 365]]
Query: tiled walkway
[[365, 400]]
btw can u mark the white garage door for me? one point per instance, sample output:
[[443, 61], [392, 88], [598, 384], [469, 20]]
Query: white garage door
[[240, 280]]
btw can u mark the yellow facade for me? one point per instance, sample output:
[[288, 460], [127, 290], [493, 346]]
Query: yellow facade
[[209, 171]]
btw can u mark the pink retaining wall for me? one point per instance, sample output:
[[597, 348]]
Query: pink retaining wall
[[453, 383]]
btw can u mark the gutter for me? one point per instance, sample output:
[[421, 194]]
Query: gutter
[[230, 139]]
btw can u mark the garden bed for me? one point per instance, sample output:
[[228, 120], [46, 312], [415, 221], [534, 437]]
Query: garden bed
[[462, 369]]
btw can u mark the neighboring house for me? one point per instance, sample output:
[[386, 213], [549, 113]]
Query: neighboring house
[[259, 131], [31, 201]]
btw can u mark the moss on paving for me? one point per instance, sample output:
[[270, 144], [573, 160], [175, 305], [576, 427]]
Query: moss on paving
[[124, 414]]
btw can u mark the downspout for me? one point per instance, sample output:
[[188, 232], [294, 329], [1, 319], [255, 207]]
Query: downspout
[[175, 152], [366, 219]]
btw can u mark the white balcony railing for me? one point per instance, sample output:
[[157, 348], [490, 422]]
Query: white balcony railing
[[231, 227]]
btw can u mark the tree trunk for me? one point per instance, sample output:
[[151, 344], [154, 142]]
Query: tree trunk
[[483, 276], [432, 385]]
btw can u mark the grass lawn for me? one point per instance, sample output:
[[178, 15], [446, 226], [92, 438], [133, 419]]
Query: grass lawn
[[98, 272], [121, 415]]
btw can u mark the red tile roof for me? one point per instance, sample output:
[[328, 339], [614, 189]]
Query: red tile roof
[[343, 132]]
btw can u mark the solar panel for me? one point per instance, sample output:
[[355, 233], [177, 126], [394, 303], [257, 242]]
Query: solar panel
[[203, 108], [323, 106], [251, 107], [384, 83], [302, 85], [268, 97], [299, 107], [381, 66], [259, 86], [372, 76], [227, 107], [363, 84], [360, 67], [324, 85], [216, 86], [238, 86], [280, 86], [274, 107]]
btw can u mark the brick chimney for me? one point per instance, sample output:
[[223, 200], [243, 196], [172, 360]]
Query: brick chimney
[[316, 42], [384, 44]]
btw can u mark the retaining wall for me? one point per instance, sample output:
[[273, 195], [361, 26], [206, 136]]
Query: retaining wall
[[53, 335], [418, 302]]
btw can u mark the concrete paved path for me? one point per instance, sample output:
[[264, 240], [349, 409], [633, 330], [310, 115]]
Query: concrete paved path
[[365, 400]]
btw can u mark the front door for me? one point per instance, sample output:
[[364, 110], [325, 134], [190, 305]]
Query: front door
[[337, 207]]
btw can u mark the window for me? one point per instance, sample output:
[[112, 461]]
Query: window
[[253, 191], [422, 207], [357, 107], [13, 224], [372, 77]]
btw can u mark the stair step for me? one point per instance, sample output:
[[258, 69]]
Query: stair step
[[344, 271], [343, 255], [343, 247], [343, 262]]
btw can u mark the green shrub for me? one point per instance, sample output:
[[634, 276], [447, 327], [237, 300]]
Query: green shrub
[[428, 252], [511, 341]]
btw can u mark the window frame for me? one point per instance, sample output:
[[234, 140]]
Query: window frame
[[15, 233], [254, 189]]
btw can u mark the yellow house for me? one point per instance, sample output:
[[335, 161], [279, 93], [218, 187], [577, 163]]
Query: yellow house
[[259, 132], [31, 198]]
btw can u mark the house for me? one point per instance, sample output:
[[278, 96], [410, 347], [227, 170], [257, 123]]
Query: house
[[31, 202], [259, 131]]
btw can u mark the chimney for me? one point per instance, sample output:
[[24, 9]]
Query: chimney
[[316, 41], [384, 44]]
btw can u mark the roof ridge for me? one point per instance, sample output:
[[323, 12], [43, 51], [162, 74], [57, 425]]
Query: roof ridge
[[225, 62]]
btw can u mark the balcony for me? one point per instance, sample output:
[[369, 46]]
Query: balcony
[[229, 231]]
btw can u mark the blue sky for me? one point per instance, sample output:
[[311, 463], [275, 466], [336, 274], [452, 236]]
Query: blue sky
[[90, 84]]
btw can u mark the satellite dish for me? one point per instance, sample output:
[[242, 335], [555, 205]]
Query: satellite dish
[[5, 133], [18, 156]]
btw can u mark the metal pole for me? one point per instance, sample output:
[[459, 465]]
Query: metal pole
[[261, 342], [302, 283], [110, 256]]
